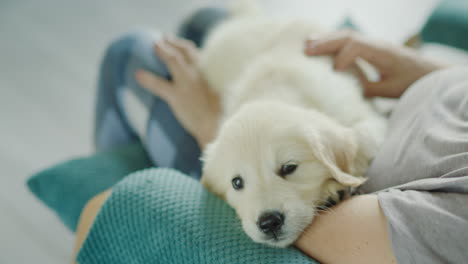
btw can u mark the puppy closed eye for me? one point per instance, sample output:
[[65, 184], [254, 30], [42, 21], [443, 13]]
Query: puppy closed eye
[[287, 168]]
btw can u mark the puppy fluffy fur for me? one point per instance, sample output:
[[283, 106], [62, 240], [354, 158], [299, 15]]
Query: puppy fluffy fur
[[281, 106]]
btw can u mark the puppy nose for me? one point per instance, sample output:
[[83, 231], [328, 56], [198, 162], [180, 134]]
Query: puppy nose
[[271, 222]]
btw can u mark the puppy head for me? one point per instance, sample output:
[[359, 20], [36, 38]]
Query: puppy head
[[275, 164]]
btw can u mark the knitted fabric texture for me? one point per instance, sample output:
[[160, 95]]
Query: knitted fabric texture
[[162, 216]]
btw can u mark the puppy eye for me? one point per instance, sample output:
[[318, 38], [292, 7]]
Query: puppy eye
[[287, 169], [238, 183]]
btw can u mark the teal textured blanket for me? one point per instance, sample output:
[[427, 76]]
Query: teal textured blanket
[[162, 216]]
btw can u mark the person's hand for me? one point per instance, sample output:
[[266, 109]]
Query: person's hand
[[194, 104], [398, 66]]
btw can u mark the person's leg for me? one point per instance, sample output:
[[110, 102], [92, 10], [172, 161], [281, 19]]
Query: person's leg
[[111, 125], [166, 142]]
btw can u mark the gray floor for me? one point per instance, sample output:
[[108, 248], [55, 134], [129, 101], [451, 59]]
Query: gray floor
[[49, 52]]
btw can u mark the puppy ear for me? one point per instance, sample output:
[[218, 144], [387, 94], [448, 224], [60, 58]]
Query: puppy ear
[[210, 179], [337, 149], [207, 152], [207, 159]]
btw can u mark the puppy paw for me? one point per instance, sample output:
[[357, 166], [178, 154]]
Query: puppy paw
[[333, 194]]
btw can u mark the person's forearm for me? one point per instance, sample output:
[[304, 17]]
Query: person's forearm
[[354, 231]]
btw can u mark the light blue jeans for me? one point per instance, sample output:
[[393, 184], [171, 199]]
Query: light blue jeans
[[166, 141]]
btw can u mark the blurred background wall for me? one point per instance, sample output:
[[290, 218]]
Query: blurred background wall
[[49, 55]]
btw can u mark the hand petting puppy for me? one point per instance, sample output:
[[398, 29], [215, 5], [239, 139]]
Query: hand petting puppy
[[194, 104], [398, 66]]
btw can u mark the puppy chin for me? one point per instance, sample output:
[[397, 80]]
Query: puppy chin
[[287, 237], [282, 242]]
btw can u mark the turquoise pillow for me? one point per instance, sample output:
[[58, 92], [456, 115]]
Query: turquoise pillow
[[448, 24], [163, 216], [67, 187]]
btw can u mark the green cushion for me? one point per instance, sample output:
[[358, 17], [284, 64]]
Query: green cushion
[[448, 24], [66, 187], [163, 216]]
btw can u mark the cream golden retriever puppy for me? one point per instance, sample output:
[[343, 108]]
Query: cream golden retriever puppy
[[295, 135]]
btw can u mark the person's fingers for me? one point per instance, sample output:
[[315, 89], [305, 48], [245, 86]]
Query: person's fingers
[[155, 84], [173, 59], [347, 55], [185, 47], [370, 89], [360, 74], [328, 44], [373, 52], [381, 88]]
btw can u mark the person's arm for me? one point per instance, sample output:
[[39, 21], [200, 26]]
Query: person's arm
[[354, 231], [87, 217]]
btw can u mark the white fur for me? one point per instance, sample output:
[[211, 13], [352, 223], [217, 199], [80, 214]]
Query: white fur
[[281, 106]]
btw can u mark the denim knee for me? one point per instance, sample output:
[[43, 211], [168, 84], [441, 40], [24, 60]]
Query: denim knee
[[128, 40], [133, 51], [137, 45], [197, 26]]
